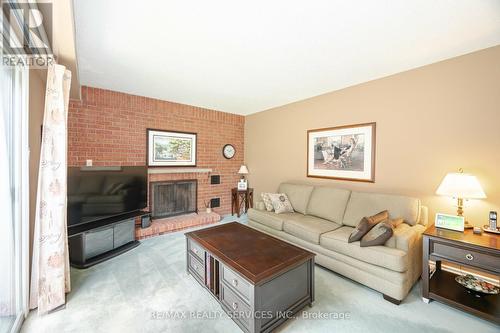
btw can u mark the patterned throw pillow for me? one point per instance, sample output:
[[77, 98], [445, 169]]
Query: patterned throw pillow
[[281, 204], [378, 235], [267, 201], [366, 224]]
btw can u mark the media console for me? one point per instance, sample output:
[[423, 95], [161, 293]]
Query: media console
[[92, 243]]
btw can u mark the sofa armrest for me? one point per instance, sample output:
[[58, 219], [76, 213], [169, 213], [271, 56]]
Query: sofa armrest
[[423, 216], [409, 239], [405, 236], [259, 205]]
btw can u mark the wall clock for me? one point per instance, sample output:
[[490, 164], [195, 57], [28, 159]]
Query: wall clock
[[228, 151]]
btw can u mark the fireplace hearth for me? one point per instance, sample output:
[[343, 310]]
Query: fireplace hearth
[[172, 198]]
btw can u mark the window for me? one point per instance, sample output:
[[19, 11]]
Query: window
[[13, 197]]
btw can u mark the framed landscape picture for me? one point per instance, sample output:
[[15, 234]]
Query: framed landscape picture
[[167, 148], [344, 152]]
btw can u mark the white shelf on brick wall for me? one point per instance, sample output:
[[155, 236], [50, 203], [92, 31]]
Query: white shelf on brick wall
[[178, 170]]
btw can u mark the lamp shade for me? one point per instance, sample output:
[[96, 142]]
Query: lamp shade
[[243, 170], [461, 185]]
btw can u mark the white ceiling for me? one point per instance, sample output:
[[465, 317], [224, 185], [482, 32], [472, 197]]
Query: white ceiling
[[247, 56]]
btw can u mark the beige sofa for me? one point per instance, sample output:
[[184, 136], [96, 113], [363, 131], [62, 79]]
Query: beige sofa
[[323, 220]]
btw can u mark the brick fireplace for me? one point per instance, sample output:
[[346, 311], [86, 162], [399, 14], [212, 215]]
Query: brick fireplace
[[109, 128], [172, 198]]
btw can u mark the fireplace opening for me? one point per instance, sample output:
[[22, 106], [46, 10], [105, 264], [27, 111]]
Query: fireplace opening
[[171, 198]]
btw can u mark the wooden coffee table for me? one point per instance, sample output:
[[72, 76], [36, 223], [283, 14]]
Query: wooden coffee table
[[260, 281]]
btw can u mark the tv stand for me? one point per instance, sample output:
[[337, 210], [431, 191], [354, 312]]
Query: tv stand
[[95, 243], [107, 255]]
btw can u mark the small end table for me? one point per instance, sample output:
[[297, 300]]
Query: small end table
[[241, 200], [466, 249]]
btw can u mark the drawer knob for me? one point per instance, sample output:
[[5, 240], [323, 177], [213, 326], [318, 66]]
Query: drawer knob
[[235, 305], [235, 282], [195, 250], [469, 256]]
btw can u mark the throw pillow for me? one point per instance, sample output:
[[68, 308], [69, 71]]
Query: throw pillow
[[378, 235], [281, 204], [267, 201], [366, 224], [396, 222]]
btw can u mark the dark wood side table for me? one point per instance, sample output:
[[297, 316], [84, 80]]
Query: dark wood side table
[[469, 250], [241, 200]]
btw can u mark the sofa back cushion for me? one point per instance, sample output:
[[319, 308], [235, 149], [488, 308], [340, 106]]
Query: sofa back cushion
[[297, 194], [363, 204], [328, 203]]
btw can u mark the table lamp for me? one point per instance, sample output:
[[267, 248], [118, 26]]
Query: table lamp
[[461, 186], [243, 185], [243, 171]]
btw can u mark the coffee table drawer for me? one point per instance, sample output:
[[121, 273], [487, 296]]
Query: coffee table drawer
[[236, 282], [196, 267], [196, 249], [235, 306], [466, 256]]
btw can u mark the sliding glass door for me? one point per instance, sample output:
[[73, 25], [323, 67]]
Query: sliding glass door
[[13, 196]]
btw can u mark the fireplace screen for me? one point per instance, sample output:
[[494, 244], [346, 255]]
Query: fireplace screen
[[170, 198]]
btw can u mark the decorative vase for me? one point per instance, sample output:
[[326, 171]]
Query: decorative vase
[[209, 210]]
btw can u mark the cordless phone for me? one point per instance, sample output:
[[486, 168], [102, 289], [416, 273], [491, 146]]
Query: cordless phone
[[493, 220]]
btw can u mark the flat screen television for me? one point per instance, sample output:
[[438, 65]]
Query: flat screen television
[[98, 193]]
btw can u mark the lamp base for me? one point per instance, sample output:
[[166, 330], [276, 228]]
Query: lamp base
[[467, 225]]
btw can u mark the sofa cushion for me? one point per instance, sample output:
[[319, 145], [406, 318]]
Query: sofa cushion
[[366, 224], [383, 256], [259, 205], [298, 195], [267, 201], [270, 219], [308, 228], [378, 235], [281, 203], [328, 203], [366, 204]]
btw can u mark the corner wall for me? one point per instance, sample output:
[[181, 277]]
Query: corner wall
[[430, 121]]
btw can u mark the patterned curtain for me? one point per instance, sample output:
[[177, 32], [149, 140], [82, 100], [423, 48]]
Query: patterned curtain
[[50, 265]]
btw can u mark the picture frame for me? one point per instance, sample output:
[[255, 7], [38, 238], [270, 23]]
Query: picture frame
[[242, 185], [342, 152], [171, 148], [450, 222]]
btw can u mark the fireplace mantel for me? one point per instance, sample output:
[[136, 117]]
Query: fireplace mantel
[[177, 170]]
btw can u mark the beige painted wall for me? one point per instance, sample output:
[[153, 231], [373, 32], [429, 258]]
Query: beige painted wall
[[36, 107], [430, 121]]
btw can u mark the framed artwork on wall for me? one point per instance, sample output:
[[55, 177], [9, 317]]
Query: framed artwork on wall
[[168, 148], [343, 152]]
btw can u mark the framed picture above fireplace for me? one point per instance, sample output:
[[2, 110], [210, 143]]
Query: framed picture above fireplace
[[168, 148]]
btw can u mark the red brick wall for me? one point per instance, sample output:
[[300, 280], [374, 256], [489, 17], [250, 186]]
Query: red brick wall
[[109, 128]]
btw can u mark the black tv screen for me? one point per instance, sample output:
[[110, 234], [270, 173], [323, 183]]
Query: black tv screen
[[97, 193]]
